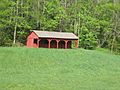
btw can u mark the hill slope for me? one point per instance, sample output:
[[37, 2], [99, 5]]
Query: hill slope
[[57, 69]]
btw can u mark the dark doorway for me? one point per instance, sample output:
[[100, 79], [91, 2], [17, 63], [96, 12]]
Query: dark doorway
[[61, 44], [69, 43], [53, 44], [43, 43]]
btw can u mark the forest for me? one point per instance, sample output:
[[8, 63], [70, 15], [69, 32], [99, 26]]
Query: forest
[[95, 22]]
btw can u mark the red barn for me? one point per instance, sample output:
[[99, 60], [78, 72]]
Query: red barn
[[47, 39]]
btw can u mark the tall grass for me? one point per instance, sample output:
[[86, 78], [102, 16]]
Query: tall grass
[[58, 69]]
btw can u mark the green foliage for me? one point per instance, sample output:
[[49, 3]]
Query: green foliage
[[53, 13], [100, 18], [87, 39], [4, 39]]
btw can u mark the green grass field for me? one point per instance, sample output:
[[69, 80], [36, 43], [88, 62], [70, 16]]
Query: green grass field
[[58, 69]]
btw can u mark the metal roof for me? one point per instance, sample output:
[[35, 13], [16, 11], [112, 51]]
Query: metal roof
[[60, 35]]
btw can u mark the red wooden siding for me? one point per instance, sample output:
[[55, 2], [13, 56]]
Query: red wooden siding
[[36, 41], [30, 40]]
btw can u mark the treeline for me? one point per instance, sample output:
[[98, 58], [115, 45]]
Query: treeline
[[96, 22]]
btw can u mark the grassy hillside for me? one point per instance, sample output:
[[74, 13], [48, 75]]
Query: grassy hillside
[[58, 69]]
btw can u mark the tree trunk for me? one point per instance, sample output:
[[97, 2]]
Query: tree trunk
[[14, 41], [115, 20], [15, 28], [114, 33]]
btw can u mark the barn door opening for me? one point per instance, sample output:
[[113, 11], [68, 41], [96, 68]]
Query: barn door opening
[[61, 44], [53, 44], [69, 43], [43, 43]]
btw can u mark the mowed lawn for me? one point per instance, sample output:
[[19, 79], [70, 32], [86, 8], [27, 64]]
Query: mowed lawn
[[58, 69]]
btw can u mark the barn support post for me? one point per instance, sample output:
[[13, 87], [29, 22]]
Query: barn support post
[[49, 40], [57, 43], [38, 42], [66, 41], [76, 43]]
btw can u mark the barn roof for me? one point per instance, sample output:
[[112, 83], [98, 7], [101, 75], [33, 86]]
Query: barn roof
[[49, 34]]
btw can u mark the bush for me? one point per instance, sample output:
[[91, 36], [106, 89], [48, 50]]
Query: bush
[[87, 39]]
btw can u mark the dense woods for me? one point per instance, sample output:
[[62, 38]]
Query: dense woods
[[96, 22]]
